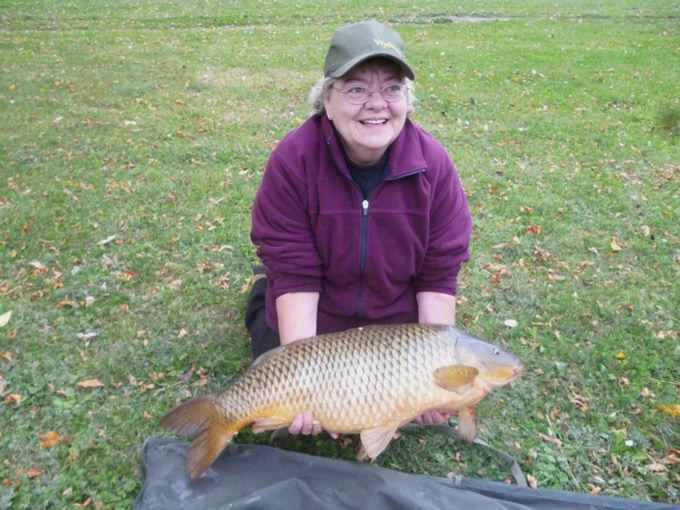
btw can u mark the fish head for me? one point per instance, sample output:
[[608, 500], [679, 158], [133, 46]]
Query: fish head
[[496, 366]]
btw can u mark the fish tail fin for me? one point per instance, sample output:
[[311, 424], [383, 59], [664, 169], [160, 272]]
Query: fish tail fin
[[198, 417], [206, 447]]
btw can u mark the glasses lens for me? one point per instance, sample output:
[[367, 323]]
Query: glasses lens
[[393, 93], [361, 95], [357, 95]]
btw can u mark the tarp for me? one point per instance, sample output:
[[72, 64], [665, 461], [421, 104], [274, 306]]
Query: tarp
[[262, 477]]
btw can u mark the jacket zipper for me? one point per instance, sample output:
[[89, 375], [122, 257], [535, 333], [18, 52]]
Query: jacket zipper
[[362, 256], [364, 241], [364, 232]]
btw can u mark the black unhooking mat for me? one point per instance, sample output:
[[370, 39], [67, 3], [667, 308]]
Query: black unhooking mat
[[262, 477]]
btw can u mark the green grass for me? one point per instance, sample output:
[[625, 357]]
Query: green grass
[[153, 121]]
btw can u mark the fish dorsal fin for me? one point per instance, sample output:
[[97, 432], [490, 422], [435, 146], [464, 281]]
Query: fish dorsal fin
[[375, 440], [467, 429], [455, 377]]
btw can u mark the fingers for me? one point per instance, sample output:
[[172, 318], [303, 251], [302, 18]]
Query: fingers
[[434, 418], [305, 424]]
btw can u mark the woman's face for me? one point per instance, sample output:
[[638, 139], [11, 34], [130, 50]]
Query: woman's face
[[366, 130]]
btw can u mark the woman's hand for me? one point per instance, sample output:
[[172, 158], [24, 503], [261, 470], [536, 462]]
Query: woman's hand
[[306, 425], [434, 418]]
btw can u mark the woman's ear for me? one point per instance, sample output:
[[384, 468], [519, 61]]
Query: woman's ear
[[327, 103]]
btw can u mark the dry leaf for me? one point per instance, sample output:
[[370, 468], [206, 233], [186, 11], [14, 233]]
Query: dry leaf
[[4, 319], [3, 385], [656, 467], [84, 503], [34, 473], [511, 323], [50, 439], [107, 240], [673, 411], [12, 398], [62, 304], [532, 482], [614, 245], [91, 383], [6, 355], [552, 440]]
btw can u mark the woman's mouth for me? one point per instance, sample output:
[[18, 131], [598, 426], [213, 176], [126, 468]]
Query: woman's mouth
[[373, 122]]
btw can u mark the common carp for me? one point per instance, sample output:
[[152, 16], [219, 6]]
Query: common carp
[[368, 380]]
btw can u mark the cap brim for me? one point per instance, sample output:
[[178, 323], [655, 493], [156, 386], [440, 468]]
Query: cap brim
[[344, 69]]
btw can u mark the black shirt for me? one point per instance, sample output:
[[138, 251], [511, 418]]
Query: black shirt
[[368, 177]]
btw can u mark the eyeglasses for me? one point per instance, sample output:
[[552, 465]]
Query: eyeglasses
[[361, 95]]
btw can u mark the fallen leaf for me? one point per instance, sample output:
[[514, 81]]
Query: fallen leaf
[[656, 467], [87, 336], [4, 319], [50, 439], [12, 398], [84, 503], [107, 240], [91, 383], [673, 411], [552, 440], [620, 356], [615, 245], [645, 393], [6, 355], [34, 473], [3, 385], [62, 304], [532, 482], [511, 323], [534, 230]]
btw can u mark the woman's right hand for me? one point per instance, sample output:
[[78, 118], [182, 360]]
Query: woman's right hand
[[305, 424]]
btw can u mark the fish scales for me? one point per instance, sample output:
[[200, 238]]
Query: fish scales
[[337, 380], [366, 380]]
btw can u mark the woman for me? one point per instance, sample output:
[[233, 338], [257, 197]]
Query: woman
[[360, 217]]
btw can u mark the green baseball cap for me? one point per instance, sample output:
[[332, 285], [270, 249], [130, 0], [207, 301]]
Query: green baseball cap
[[353, 44]]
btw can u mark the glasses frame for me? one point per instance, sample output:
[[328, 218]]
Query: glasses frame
[[343, 93]]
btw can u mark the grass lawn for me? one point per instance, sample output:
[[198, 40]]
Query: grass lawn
[[133, 137]]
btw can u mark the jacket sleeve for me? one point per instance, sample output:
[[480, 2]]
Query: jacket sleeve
[[282, 230], [449, 235]]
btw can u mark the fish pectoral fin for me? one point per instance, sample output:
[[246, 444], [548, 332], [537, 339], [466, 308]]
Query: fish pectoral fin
[[270, 423], [467, 429], [455, 377], [375, 440]]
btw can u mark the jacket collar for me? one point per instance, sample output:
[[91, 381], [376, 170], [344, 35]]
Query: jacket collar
[[406, 156]]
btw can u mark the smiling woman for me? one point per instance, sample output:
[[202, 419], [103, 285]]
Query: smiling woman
[[360, 217]]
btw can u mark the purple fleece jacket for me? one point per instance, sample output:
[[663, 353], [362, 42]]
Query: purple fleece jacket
[[367, 258]]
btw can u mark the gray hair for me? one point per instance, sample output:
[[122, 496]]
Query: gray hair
[[323, 87]]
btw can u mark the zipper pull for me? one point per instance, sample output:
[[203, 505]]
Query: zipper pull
[[364, 205]]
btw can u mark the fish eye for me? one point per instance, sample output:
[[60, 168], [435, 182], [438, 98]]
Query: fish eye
[[496, 351]]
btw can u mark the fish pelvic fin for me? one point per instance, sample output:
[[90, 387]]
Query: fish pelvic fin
[[269, 423], [455, 377], [198, 417], [375, 440], [467, 428]]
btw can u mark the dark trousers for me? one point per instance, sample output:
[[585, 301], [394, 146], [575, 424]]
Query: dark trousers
[[262, 337]]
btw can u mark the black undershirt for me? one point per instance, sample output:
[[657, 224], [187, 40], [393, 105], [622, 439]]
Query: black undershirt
[[368, 177]]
